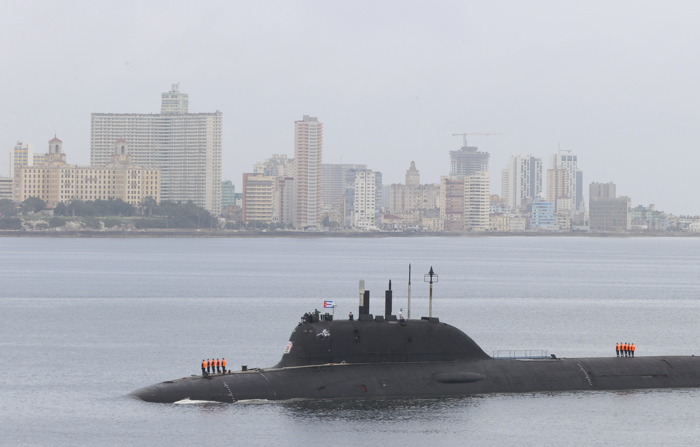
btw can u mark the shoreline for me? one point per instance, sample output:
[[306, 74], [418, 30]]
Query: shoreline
[[319, 234]]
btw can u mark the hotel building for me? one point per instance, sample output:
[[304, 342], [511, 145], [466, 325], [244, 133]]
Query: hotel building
[[56, 181]]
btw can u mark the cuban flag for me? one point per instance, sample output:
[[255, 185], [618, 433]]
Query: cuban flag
[[327, 304]]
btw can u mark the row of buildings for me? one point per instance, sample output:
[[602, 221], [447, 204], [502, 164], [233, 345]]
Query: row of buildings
[[176, 155], [179, 150], [303, 192], [54, 180]]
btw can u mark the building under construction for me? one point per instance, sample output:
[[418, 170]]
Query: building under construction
[[468, 160]]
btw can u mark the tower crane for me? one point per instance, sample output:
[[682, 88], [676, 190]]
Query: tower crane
[[464, 136], [560, 150]]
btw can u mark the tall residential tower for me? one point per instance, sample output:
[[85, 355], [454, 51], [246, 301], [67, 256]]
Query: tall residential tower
[[308, 175], [185, 147], [522, 180]]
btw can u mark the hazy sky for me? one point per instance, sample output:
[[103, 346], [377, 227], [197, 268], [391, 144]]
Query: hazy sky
[[616, 82]]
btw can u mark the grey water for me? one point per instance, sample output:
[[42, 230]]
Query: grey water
[[85, 321]]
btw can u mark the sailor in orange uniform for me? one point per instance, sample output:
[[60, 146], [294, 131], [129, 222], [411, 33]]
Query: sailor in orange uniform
[[223, 365], [617, 349], [204, 366], [218, 365], [632, 349]]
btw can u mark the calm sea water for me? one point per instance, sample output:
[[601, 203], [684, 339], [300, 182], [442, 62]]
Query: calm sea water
[[85, 321]]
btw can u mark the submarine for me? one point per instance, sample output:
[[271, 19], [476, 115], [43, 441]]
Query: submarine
[[388, 357]]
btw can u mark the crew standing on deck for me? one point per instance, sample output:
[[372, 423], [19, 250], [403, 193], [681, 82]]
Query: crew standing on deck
[[617, 349], [632, 350], [218, 365], [204, 366], [208, 365], [223, 365]]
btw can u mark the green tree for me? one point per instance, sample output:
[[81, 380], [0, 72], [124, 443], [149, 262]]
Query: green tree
[[60, 210], [149, 204], [7, 207], [102, 208], [184, 215], [32, 205]]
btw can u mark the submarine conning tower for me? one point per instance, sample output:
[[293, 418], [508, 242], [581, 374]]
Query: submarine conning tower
[[380, 339]]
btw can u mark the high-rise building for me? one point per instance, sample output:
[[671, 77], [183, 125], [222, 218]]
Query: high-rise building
[[476, 201], [174, 102], [21, 154], [468, 160], [365, 200], [452, 202], [334, 185], [386, 197], [56, 181], [308, 171], [412, 175], [569, 163], [522, 180], [185, 147], [558, 190], [267, 199], [259, 204], [228, 193], [606, 211]]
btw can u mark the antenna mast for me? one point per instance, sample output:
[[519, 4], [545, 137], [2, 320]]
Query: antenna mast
[[409, 291]]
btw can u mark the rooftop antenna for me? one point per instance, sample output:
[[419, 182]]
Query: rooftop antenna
[[409, 291], [429, 277]]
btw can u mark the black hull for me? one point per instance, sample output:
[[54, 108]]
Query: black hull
[[432, 379]]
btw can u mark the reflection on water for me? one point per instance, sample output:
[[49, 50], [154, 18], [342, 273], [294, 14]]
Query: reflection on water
[[376, 410]]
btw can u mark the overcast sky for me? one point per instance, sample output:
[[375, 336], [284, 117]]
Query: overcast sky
[[615, 82]]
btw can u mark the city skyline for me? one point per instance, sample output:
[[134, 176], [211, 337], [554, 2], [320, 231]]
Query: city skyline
[[391, 85]]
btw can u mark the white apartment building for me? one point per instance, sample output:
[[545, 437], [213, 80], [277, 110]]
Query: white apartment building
[[365, 200], [308, 174], [477, 200], [521, 180], [185, 147]]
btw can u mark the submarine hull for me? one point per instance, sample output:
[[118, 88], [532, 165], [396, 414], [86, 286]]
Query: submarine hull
[[431, 379]]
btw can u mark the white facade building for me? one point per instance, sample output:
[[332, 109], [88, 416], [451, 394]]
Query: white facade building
[[477, 201], [522, 180], [185, 147], [365, 200]]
